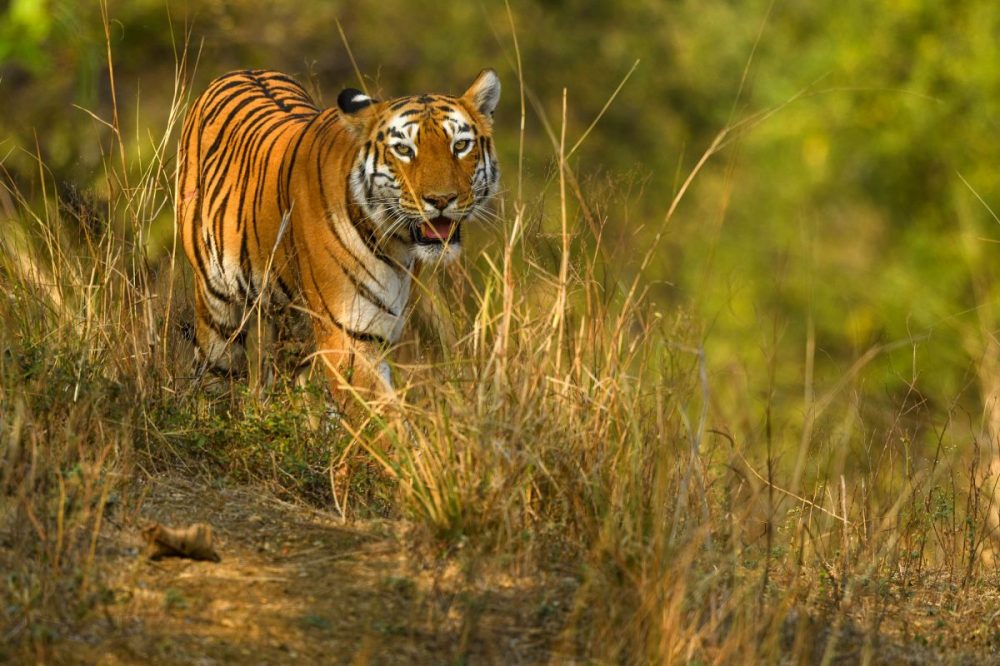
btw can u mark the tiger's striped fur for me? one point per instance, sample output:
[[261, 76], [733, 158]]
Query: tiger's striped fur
[[333, 209]]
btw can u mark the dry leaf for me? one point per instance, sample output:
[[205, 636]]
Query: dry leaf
[[193, 542]]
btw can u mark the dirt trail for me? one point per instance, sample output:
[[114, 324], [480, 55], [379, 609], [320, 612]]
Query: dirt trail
[[297, 586]]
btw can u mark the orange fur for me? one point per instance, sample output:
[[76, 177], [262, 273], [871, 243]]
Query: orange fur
[[331, 209]]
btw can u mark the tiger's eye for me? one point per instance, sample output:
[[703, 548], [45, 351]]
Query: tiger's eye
[[403, 150], [460, 146]]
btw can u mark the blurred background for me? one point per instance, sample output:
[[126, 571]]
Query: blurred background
[[841, 237]]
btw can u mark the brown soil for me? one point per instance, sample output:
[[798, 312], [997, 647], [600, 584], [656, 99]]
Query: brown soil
[[295, 585]]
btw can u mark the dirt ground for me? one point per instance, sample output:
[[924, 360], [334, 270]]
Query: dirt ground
[[295, 585]]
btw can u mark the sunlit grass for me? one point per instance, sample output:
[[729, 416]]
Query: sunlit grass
[[550, 415]]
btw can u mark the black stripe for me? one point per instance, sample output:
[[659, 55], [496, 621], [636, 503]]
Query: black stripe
[[223, 329], [361, 287], [333, 227], [371, 242], [360, 336], [293, 155]]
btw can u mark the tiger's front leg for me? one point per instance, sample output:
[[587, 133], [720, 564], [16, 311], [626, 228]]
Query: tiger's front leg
[[356, 310], [356, 370]]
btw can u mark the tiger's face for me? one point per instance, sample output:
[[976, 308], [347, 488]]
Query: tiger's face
[[427, 164]]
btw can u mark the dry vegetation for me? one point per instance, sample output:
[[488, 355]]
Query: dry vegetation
[[553, 485]]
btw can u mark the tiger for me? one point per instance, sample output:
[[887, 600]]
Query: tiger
[[328, 210]]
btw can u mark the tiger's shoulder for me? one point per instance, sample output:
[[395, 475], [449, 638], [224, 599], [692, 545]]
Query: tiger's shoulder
[[260, 89]]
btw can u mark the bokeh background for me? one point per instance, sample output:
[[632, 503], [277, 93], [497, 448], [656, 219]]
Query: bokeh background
[[847, 211]]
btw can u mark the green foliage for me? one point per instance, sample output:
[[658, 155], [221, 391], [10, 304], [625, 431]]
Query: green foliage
[[843, 213], [24, 30], [275, 440], [836, 254]]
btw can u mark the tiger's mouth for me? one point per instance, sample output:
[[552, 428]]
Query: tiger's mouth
[[438, 230]]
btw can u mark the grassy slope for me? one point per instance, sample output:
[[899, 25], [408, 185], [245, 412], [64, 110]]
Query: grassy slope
[[559, 460]]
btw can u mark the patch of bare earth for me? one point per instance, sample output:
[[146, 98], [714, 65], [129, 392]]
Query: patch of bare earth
[[297, 585]]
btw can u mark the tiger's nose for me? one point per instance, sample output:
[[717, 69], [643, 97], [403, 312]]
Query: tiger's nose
[[440, 201]]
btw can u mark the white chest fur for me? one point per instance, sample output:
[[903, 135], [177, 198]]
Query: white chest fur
[[379, 290], [378, 309]]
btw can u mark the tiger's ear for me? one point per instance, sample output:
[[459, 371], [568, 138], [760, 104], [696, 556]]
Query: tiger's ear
[[357, 108], [352, 100], [484, 93]]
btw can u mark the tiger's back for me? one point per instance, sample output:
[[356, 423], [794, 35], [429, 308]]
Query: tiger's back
[[232, 193]]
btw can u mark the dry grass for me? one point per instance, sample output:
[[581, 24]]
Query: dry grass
[[551, 420]]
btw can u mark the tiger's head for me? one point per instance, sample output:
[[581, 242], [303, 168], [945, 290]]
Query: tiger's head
[[426, 164]]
